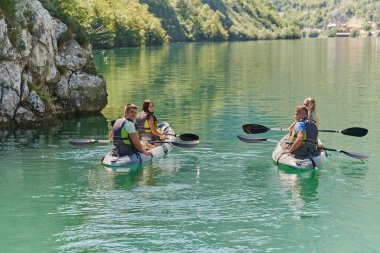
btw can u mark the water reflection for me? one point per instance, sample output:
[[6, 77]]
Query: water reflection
[[55, 134], [138, 175], [303, 187]]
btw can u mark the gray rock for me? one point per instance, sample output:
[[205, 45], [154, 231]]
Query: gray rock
[[86, 91], [36, 103], [24, 115], [81, 90], [73, 56], [59, 28], [9, 104], [10, 76], [6, 50], [35, 65]]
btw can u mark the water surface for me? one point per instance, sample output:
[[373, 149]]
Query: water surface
[[224, 195]]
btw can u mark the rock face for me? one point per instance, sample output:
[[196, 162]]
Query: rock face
[[42, 76]]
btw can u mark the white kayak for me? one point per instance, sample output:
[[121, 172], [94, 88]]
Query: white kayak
[[164, 147], [289, 160]]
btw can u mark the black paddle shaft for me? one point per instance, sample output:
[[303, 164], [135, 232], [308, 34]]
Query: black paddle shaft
[[258, 129]]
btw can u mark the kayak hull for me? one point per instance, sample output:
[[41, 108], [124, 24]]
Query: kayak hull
[[289, 161], [113, 161]]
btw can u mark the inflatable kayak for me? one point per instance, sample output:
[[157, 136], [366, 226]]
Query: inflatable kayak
[[288, 160], [164, 147]]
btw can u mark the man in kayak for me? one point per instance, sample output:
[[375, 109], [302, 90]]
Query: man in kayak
[[125, 136], [304, 137]]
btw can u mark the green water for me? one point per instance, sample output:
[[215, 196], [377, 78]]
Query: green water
[[224, 195]]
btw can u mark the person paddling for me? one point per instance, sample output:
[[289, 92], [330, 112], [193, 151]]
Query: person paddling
[[303, 139], [147, 123], [125, 135]]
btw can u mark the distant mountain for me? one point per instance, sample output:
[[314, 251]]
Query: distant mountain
[[320, 13]]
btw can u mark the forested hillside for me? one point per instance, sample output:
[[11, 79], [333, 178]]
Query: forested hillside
[[221, 20], [320, 13], [131, 23], [125, 23]]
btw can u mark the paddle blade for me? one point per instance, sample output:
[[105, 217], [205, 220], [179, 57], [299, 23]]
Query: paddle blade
[[350, 154], [181, 144], [189, 137], [254, 129], [355, 155], [355, 131], [185, 144], [250, 140], [82, 142]]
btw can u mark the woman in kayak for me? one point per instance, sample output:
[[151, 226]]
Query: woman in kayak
[[309, 103], [311, 106], [147, 123]]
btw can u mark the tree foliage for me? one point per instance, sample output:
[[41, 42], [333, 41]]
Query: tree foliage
[[318, 13], [126, 23], [116, 23]]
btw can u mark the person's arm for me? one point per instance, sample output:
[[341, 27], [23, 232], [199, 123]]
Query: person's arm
[[154, 129], [136, 142], [297, 143], [292, 126], [110, 136]]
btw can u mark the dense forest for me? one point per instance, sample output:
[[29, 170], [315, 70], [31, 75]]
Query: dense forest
[[134, 23], [130, 23], [318, 13], [348, 15]]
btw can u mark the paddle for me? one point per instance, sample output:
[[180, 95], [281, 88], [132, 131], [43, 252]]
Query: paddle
[[181, 144], [257, 129], [256, 140], [186, 136], [84, 142], [189, 140]]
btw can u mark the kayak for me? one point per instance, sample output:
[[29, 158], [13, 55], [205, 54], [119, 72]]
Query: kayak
[[288, 160], [164, 147]]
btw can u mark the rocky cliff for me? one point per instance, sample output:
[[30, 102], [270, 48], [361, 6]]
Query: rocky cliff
[[44, 73]]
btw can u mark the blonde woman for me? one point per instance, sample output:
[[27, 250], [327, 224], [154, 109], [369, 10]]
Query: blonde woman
[[309, 103], [311, 107]]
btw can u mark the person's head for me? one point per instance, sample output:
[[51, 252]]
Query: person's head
[[130, 111], [148, 106], [300, 112], [309, 103]]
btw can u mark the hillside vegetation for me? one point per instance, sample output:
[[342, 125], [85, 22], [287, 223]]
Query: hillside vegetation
[[129, 23], [134, 23], [319, 13], [111, 23]]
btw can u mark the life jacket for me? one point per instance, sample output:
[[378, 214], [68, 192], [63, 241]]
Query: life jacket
[[121, 139], [308, 146], [143, 125]]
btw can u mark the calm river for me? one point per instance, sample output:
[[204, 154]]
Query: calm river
[[224, 195]]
